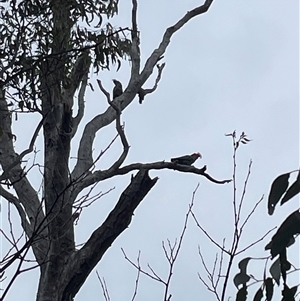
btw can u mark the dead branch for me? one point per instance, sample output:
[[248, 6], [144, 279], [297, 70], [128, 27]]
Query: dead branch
[[135, 50], [104, 287], [135, 83], [120, 129], [244, 191], [85, 259], [137, 278], [153, 275], [143, 92], [101, 175], [209, 236], [209, 284], [171, 253], [157, 53], [255, 242]]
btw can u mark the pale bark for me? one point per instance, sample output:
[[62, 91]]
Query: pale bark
[[63, 268]]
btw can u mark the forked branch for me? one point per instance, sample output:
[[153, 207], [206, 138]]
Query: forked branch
[[120, 129]]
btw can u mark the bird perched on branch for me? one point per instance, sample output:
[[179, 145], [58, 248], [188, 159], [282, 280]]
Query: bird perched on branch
[[118, 90], [186, 160]]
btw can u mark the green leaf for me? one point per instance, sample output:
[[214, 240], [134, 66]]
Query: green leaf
[[285, 233], [292, 191], [278, 188], [243, 264], [241, 278], [259, 294], [269, 289], [242, 294], [119, 65], [275, 271], [289, 293], [284, 265]]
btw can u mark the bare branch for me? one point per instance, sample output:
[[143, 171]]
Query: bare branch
[[85, 259], [104, 92], [85, 158], [255, 242], [137, 277], [157, 53], [138, 267], [76, 188], [104, 287], [211, 285], [170, 165], [119, 128], [17, 272], [155, 274], [220, 263], [16, 202], [250, 214], [244, 191], [171, 253], [205, 284], [81, 106], [208, 236], [124, 154], [143, 92], [135, 50], [101, 175]]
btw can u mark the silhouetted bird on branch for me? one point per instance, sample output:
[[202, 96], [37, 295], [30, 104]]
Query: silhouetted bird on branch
[[186, 160], [118, 90]]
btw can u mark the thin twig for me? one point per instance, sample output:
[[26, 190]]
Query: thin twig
[[104, 287], [244, 191], [255, 242], [208, 236], [142, 271]]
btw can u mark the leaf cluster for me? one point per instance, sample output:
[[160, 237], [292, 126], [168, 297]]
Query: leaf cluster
[[33, 31], [281, 191]]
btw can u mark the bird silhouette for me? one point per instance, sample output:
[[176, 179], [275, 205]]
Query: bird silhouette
[[187, 159], [118, 90]]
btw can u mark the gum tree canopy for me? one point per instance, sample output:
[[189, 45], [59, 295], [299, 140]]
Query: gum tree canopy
[[47, 50]]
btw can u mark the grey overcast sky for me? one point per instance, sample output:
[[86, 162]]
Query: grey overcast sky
[[233, 68]]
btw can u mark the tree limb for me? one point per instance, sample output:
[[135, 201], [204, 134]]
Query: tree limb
[[157, 53], [84, 260], [84, 157], [119, 128], [135, 50], [26, 194], [143, 92], [16, 202], [81, 106], [101, 175]]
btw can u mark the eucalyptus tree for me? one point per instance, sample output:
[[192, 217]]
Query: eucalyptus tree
[[47, 50]]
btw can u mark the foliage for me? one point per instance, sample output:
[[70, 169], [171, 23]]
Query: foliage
[[281, 191], [48, 50], [32, 32]]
